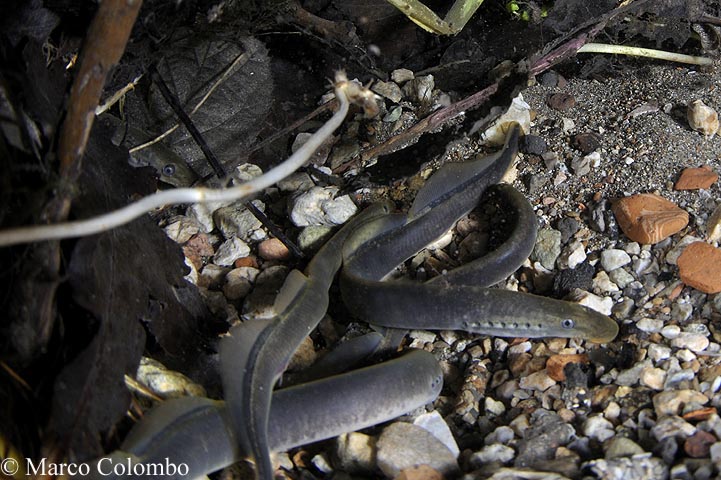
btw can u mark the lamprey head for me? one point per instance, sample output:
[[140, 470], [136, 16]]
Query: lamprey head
[[583, 322]]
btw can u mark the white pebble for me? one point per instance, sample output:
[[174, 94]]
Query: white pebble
[[231, 250], [614, 258]]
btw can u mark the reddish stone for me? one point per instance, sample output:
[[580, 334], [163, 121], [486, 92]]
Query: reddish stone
[[700, 415], [249, 261], [648, 218], [197, 248], [698, 444], [696, 178], [700, 267], [273, 249], [556, 364]]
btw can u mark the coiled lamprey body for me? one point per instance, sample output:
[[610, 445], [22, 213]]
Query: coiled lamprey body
[[210, 435]]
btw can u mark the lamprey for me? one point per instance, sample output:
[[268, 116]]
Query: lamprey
[[255, 419], [457, 299], [198, 433]]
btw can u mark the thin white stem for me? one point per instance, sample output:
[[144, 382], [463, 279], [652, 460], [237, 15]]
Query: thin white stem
[[644, 52], [130, 212]]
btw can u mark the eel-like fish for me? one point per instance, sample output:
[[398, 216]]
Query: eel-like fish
[[197, 432], [210, 435], [458, 300], [256, 352]]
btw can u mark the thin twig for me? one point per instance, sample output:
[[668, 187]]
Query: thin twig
[[174, 103], [644, 52]]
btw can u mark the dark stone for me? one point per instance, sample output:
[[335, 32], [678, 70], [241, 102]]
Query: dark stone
[[535, 182], [532, 144], [552, 79], [568, 279], [568, 227], [576, 375], [587, 142], [666, 449], [602, 219], [561, 101]]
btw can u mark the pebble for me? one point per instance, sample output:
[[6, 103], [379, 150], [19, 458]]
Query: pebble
[[229, 251], [598, 428], [321, 463], [657, 352], [600, 304], [320, 206], [539, 381], [638, 467], [699, 444], [239, 282], [547, 247], [434, 423], [212, 275], [581, 166], [614, 258], [649, 325], [567, 125], [587, 142], [356, 453], [671, 331], [420, 89], [197, 249], [648, 218], [603, 284], [297, 182], [164, 382], [273, 249], [542, 438], [421, 472], [393, 115], [621, 277], [572, 255], [203, 214], [533, 145], [182, 228], [556, 364], [303, 357], [619, 447], [702, 118], [389, 90], [402, 75], [550, 160], [652, 378], [495, 452], [494, 407], [681, 311], [502, 434], [569, 279], [672, 426], [568, 226], [236, 220], [561, 101], [670, 402], [552, 79], [695, 342], [403, 445], [696, 179], [699, 266]]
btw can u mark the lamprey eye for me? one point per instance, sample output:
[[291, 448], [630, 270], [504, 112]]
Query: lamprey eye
[[568, 323], [169, 170]]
